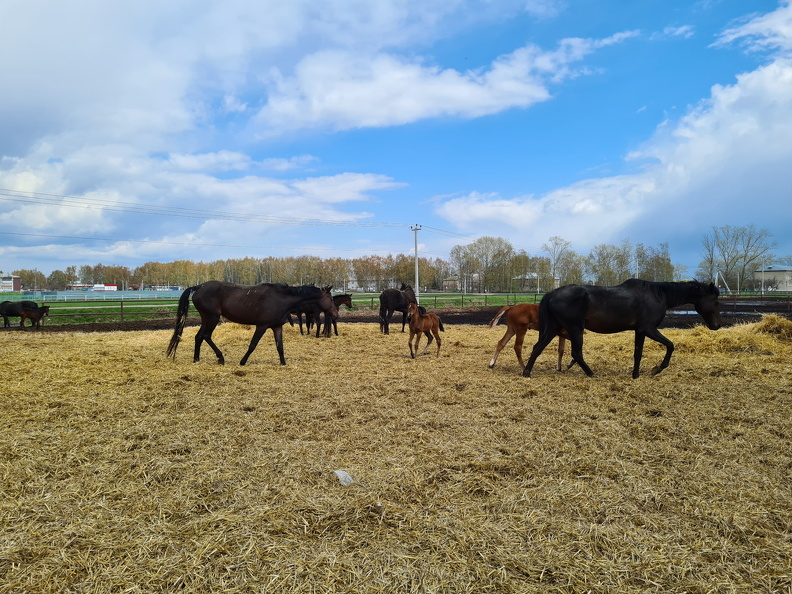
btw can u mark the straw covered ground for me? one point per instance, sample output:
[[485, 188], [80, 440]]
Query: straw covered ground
[[124, 471]]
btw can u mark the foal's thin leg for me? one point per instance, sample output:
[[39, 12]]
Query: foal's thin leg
[[561, 341], [260, 330], [428, 341], [437, 338], [518, 345], [499, 347], [417, 342]]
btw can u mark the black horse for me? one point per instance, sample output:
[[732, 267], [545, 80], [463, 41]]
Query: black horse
[[12, 309], [393, 300], [34, 314], [635, 304], [339, 300], [312, 312], [263, 306]]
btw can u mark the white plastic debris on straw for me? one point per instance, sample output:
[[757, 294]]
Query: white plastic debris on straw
[[344, 478]]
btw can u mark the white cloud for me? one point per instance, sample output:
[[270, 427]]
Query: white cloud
[[770, 31], [724, 162], [684, 31], [341, 90]]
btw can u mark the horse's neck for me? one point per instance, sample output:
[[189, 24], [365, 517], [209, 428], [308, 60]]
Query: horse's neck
[[677, 294]]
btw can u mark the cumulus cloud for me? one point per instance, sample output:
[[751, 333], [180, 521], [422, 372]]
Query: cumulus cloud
[[341, 90], [729, 149]]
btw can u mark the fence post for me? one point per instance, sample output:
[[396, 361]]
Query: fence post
[[122, 310]]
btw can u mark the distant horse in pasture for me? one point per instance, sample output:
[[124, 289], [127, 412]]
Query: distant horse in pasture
[[12, 309], [635, 304], [423, 323], [263, 306], [34, 314], [393, 300], [519, 319], [312, 313]]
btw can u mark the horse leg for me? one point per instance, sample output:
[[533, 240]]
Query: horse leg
[[501, 344], [561, 341], [518, 345], [278, 332], [205, 334], [541, 343], [657, 337], [410, 342], [428, 341], [576, 339], [638, 353], [437, 339], [404, 320], [260, 330]]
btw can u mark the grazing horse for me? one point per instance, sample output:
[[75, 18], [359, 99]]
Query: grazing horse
[[263, 306], [519, 319], [12, 308], [635, 304], [312, 313], [423, 323], [35, 314], [393, 300]]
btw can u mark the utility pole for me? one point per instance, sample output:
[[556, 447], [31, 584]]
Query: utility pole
[[416, 286]]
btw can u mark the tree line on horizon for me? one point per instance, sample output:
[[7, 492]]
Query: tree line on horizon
[[488, 264]]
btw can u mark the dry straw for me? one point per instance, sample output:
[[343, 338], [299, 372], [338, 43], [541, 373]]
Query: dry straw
[[124, 471]]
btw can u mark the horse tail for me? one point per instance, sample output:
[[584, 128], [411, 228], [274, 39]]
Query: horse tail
[[181, 320], [383, 310], [502, 311], [544, 314], [440, 323]]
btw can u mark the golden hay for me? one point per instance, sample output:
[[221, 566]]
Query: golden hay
[[124, 471]]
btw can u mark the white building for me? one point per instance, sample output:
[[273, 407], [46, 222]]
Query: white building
[[775, 277]]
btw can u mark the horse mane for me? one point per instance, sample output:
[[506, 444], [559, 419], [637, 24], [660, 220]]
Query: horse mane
[[676, 292], [298, 290]]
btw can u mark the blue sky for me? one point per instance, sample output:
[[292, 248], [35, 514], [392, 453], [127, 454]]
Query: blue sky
[[132, 132]]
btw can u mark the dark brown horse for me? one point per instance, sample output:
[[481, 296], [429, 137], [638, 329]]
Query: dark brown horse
[[393, 300], [313, 313], [263, 306], [635, 304], [519, 319], [339, 300], [12, 308], [34, 314], [423, 323]]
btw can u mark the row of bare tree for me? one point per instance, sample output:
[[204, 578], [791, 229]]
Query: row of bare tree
[[489, 264]]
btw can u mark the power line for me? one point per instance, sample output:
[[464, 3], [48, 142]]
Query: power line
[[191, 243], [175, 211]]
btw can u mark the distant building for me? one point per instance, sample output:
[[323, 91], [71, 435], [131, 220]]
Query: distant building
[[778, 278], [10, 283]]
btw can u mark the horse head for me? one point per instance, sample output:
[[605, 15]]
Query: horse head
[[326, 302], [707, 305]]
